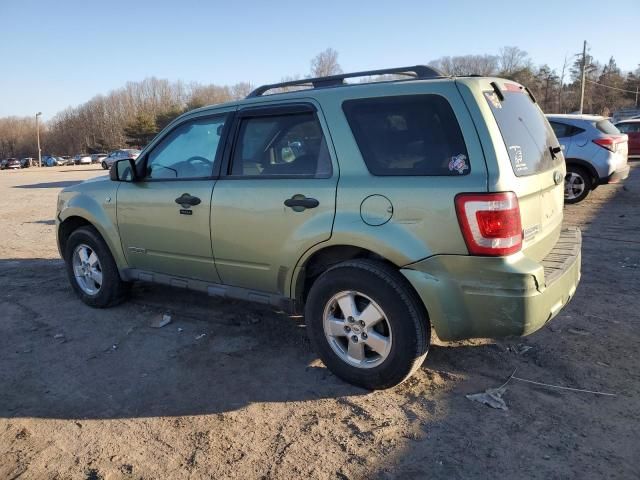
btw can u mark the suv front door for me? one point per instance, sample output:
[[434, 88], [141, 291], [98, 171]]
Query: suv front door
[[275, 197], [164, 217]]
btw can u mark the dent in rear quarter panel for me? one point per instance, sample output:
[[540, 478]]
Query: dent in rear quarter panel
[[423, 220], [93, 206]]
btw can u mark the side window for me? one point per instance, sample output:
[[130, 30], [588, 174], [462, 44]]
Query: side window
[[561, 129], [188, 151], [281, 145], [575, 131], [408, 135]]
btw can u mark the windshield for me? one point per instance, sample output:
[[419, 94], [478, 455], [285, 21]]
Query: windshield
[[525, 131]]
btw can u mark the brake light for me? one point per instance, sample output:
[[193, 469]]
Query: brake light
[[611, 142], [490, 223]]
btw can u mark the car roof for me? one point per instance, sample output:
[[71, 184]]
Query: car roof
[[629, 120], [571, 116]]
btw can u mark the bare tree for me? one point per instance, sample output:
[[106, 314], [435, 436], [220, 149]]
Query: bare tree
[[511, 60], [484, 65], [325, 64]]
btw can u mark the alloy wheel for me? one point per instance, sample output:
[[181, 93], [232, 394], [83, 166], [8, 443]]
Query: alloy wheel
[[87, 269], [574, 185], [357, 329]]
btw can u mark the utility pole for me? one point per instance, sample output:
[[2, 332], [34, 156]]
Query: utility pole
[[584, 68], [38, 135], [564, 66]]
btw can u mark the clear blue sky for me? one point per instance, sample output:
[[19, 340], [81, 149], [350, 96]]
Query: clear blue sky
[[60, 53]]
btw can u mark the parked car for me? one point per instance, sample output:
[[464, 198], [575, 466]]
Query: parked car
[[121, 154], [632, 129], [595, 151], [82, 159], [98, 157], [53, 161], [26, 162], [447, 214], [3, 164], [11, 163]]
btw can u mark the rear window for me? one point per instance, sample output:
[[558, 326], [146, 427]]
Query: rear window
[[525, 131], [408, 135], [605, 126]]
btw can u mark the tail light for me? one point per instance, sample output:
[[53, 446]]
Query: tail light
[[611, 142], [490, 223]]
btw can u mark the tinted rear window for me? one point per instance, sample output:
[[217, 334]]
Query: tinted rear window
[[408, 135], [525, 131], [605, 126]]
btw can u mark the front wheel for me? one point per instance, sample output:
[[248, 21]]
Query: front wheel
[[577, 184], [92, 270], [367, 324]]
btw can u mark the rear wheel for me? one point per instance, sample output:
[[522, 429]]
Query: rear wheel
[[92, 270], [367, 324], [577, 184]]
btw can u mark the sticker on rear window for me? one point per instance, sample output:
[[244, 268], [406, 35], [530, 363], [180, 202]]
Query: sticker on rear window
[[493, 99], [517, 159], [458, 164]]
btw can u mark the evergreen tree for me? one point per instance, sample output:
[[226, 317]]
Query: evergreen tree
[[141, 130]]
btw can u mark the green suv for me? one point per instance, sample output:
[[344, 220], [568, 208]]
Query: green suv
[[380, 210]]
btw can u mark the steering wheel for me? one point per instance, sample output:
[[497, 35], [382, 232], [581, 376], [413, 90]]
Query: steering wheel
[[197, 158]]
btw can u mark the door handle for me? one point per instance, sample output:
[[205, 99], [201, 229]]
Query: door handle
[[186, 200], [300, 202]]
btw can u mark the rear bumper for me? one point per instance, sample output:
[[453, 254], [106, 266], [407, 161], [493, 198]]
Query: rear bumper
[[619, 175], [484, 297]]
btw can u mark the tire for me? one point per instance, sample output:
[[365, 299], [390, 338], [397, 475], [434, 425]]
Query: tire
[[581, 184], [104, 166], [404, 324], [112, 289]]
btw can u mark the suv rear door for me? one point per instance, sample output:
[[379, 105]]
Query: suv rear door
[[535, 168], [276, 194]]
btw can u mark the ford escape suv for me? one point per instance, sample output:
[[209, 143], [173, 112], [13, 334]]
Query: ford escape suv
[[380, 210]]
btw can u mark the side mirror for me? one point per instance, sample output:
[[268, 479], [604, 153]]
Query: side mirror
[[123, 171]]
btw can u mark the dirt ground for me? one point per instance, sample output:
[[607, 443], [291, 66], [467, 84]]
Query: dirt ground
[[230, 390]]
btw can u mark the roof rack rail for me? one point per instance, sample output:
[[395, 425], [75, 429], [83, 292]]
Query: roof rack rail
[[416, 71]]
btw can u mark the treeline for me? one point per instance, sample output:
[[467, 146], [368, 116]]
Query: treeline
[[132, 115], [103, 123], [607, 88]]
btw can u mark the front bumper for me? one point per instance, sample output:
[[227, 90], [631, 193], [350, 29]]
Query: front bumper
[[485, 297]]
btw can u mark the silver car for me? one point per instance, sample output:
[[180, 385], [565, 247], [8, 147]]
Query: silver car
[[595, 152], [121, 154]]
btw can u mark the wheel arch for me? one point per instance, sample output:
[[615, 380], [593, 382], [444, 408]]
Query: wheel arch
[[74, 220], [586, 166], [318, 261]]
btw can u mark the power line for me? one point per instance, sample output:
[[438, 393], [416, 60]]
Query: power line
[[613, 88]]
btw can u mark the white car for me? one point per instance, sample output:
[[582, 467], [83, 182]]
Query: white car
[[119, 155], [82, 159]]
